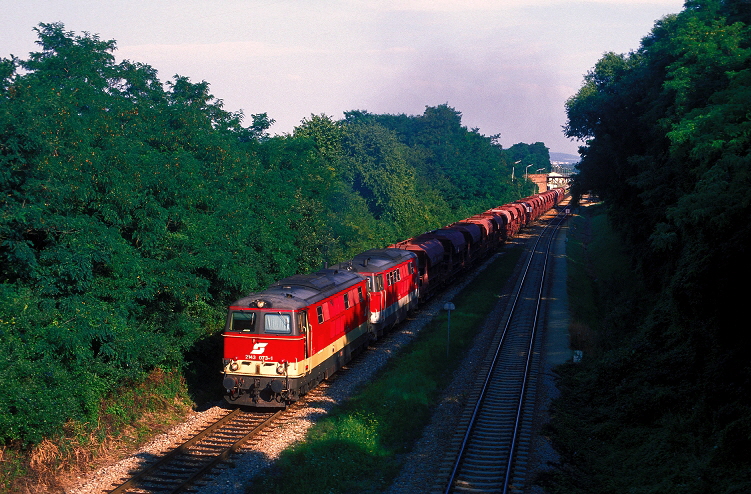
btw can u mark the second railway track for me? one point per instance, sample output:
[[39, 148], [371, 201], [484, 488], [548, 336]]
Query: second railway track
[[489, 451]]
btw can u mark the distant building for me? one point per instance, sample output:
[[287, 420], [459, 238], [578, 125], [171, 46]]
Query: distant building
[[547, 181], [540, 180], [557, 180]]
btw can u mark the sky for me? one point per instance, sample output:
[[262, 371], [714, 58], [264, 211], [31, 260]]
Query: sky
[[507, 65]]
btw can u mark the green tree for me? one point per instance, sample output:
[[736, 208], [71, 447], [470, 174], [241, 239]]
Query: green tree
[[667, 146], [128, 210]]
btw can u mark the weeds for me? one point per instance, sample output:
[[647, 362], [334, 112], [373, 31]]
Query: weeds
[[127, 419]]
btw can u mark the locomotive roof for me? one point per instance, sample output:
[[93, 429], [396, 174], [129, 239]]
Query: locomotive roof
[[301, 290], [376, 260]]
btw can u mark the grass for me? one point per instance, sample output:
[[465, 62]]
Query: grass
[[359, 445], [596, 263]]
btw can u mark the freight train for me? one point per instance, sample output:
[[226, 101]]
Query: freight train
[[281, 342]]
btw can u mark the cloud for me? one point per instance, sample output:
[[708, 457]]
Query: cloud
[[228, 51], [495, 5]]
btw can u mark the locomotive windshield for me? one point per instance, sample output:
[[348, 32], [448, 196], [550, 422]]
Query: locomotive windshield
[[256, 322], [277, 323], [242, 322]]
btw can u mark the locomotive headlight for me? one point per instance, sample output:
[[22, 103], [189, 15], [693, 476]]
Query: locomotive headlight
[[233, 366], [280, 368]]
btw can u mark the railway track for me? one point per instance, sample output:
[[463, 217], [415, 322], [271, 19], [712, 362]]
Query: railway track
[[179, 469], [186, 466], [489, 451]]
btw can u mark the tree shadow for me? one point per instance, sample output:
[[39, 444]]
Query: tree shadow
[[203, 371]]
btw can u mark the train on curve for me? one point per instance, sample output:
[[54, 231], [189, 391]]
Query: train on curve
[[281, 342]]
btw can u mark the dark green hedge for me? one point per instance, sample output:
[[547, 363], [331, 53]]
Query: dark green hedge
[[668, 147]]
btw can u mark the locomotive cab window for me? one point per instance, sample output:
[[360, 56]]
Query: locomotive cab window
[[302, 318], [242, 322], [277, 323], [379, 283]]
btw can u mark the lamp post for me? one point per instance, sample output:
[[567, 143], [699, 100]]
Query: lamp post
[[448, 306], [526, 175]]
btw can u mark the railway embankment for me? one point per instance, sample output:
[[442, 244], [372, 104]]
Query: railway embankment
[[643, 410]]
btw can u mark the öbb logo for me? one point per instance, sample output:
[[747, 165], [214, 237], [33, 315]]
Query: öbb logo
[[258, 348]]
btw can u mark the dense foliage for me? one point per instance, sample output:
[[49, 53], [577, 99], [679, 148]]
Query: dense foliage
[[133, 211], [668, 147]]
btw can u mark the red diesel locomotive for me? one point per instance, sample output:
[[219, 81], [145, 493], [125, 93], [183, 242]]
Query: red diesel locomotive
[[281, 342]]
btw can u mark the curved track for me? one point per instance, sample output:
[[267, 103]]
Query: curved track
[[492, 443]]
